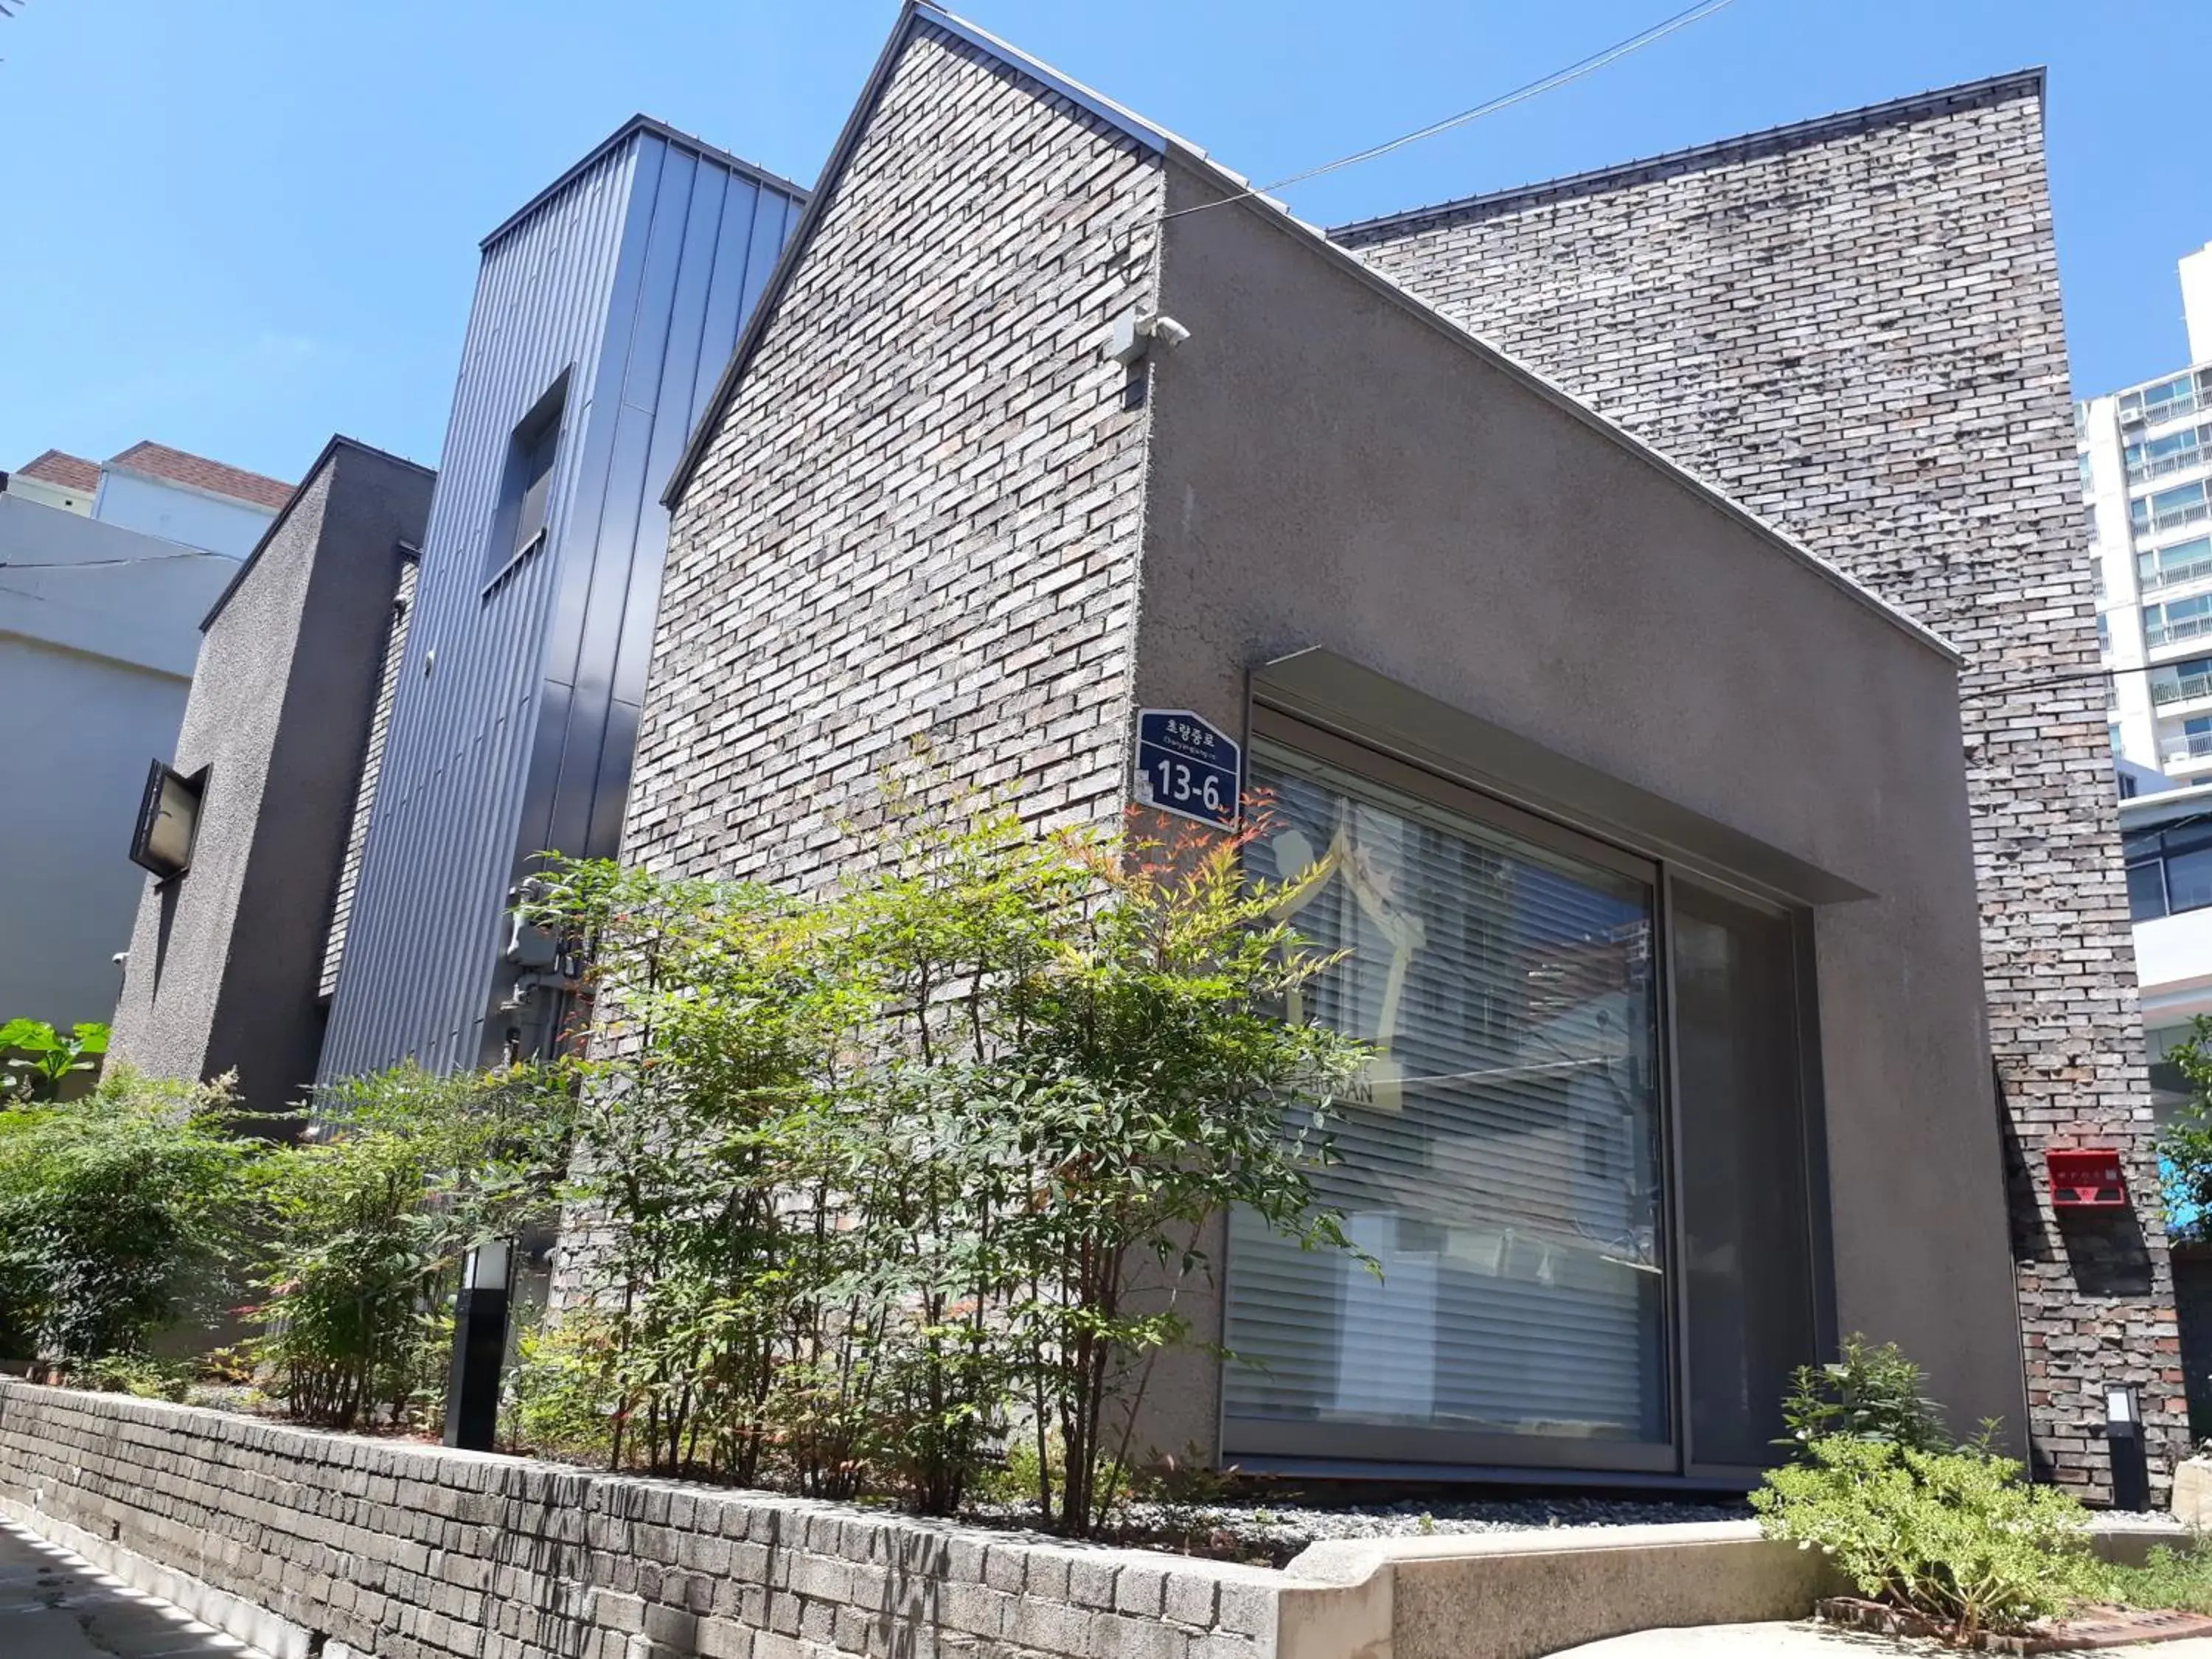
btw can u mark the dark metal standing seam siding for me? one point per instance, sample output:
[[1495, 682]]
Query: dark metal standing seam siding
[[426, 920], [507, 748], [692, 272]]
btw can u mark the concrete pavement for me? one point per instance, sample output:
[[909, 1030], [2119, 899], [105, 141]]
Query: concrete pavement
[[1807, 1640], [54, 1605]]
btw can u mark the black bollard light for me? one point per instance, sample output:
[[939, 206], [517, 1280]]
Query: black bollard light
[[479, 1347], [2123, 1433]]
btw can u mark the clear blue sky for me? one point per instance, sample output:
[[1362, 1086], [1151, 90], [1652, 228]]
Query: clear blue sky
[[238, 226]]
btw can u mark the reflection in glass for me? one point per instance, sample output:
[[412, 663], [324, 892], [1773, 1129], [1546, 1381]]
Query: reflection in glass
[[1499, 1162]]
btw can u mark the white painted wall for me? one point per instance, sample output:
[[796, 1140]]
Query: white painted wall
[[2120, 594], [75, 743], [2197, 301], [178, 512], [2173, 964], [99, 632], [47, 493]]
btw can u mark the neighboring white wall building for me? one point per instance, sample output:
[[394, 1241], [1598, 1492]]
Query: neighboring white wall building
[[68, 481], [102, 590], [185, 498], [2168, 838], [2147, 478]]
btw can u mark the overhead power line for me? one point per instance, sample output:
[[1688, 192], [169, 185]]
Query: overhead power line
[[2076, 677], [1520, 95]]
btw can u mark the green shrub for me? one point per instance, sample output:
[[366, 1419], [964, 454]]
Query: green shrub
[[2180, 1579], [1958, 1537], [2184, 1143], [119, 1215], [882, 1174], [368, 1218], [1870, 1393], [139, 1374], [558, 1398], [37, 1063]]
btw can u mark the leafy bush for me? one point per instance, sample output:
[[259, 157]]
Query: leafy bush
[[885, 1177], [558, 1396], [40, 1063], [2180, 1579], [120, 1214], [1958, 1537], [2184, 1145], [1871, 1393], [139, 1374], [705, 1161], [369, 1217]]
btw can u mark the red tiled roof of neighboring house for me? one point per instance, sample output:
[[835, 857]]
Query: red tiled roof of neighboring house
[[69, 471], [201, 473]]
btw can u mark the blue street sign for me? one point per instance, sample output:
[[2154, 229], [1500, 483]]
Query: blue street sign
[[1186, 766]]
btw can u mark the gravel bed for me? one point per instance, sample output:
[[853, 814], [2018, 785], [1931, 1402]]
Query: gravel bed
[[1263, 1530]]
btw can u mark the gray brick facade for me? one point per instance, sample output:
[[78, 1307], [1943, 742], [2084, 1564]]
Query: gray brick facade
[[926, 507], [1853, 327], [967, 581]]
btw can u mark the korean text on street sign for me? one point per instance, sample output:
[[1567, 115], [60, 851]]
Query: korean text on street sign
[[1187, 767]]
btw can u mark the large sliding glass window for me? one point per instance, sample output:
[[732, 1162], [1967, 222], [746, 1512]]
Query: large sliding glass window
[[1504, 1160], [1501, 1163]]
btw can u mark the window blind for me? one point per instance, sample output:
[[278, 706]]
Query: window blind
[[1499, 1162]]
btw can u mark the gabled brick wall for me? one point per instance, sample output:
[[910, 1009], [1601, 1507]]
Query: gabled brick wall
[[918, 522], [1854, 327]]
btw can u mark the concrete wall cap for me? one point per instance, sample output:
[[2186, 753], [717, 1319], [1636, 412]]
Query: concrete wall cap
[[1348, 1560]]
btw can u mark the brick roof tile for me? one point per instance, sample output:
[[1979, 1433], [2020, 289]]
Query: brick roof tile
[[69, 471], [175, 464]]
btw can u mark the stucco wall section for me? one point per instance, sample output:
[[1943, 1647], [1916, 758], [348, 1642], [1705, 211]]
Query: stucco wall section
[[388, 1549], [918, 522], [172, 983], [1854, 327], [1412, 505], [224, 966]]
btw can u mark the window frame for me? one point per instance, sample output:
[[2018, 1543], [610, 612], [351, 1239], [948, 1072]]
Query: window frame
[[2152, 848], [1811, 1124], [544, 419], [1373, 1448], [2151, 572], [162, 778]]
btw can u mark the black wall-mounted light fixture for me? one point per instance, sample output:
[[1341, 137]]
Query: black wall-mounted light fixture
[[168, 820]]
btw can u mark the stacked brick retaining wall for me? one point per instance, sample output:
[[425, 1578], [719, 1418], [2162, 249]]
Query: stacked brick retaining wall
[[398, 1550], [315, 1546]]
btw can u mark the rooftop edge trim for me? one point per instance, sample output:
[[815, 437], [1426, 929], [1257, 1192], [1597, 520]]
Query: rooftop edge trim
[[913, 15], [1795, 135], [621, 136], [338, 441]]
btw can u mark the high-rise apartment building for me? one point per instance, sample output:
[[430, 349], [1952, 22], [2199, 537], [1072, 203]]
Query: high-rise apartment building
[[2147, 480]]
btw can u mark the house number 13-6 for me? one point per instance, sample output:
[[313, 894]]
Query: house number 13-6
[[1175, 787]]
